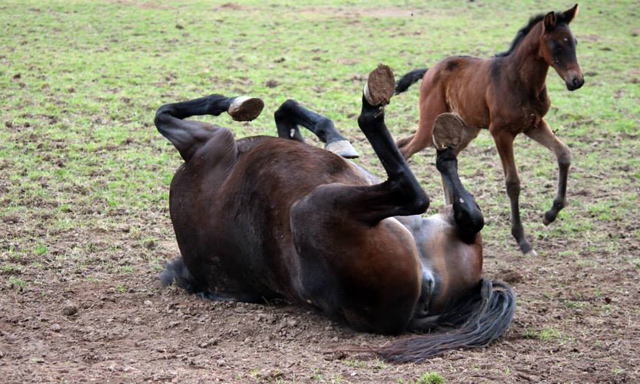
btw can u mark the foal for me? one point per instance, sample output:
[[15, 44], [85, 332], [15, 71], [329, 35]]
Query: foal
[[264, 217], [506, 94]]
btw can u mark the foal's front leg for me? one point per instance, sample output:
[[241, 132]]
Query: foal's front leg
[[543, 135], [291, 114], [504, 142]]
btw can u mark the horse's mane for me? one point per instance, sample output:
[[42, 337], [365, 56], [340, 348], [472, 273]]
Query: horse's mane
[[524, 31]]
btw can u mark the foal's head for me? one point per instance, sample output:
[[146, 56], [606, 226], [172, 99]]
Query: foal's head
[[558, 47]]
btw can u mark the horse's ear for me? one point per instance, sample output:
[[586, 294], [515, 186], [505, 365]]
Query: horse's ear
[[570, 14], [550, 21]]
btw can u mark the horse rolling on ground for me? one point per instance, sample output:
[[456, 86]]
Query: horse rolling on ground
[[506, 94], [265, 217]]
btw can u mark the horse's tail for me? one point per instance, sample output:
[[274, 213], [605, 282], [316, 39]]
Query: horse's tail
[[409, 79], [176, 272], [474, 322]]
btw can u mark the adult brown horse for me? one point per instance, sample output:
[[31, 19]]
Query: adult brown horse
[[265, 217], [506, 94]]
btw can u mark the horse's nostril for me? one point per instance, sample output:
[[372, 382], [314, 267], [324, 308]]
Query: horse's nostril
[[576, 81]]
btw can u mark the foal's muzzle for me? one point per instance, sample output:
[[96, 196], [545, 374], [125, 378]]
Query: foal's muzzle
[[574, 82]]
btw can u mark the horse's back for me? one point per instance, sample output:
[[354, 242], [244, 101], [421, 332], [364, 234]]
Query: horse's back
[[236, 225]]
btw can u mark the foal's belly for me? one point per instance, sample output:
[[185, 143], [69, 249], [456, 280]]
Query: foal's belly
[[465, 95]]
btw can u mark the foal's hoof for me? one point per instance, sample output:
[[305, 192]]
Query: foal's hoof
[[531, 252], [447, 131], [342, 148], [244, 108], [380, 86]]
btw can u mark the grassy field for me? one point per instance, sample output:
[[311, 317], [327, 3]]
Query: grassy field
[[84, 179]]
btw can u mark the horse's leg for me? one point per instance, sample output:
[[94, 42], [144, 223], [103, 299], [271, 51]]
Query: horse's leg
[[450, 131], [210, 152], [352, 260], [291, 114], [448, 136], [188, 136], [400, 194], [430, 108], [504, 143], [543, 135]]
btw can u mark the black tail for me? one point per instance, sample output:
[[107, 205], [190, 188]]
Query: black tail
[[409, 79], [176, 272], [474, 322]]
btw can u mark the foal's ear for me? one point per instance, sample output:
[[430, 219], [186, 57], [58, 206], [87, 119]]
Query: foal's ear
[[570, 14], [550, 21]]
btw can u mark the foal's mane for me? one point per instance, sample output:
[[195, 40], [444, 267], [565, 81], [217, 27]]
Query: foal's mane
[[524, 31]]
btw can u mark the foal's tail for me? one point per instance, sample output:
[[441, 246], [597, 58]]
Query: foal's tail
[[409, 79], [475, 322]]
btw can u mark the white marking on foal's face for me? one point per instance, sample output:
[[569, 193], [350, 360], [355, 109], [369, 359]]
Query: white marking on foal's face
[[292, 133]]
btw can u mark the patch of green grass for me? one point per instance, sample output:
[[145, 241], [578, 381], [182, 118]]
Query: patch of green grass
[[41, 250], [16, 282], [426, 378], [573, 304], [10, 268], [543, 334]]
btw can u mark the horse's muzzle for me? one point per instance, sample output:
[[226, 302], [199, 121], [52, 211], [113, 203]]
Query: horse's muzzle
[[575, 83]]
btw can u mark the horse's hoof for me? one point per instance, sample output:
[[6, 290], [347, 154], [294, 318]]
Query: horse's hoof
[[447, 131], [548, 218], [531, 252], [380, 86], [342, 148], [244, 108]]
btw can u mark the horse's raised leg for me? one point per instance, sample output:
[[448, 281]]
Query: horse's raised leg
[[543, 135], [188, 136], [353, 261], [291, 114], [448, 136], [504, 143]]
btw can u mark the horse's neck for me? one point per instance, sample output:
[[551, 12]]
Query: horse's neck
[[526, 65]]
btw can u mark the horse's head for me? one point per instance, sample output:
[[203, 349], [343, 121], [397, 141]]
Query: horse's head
[[558, 47]]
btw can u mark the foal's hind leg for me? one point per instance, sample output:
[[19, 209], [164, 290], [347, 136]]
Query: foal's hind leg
[[188, 136], [291, 114], [431, 107], [543, 135]]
